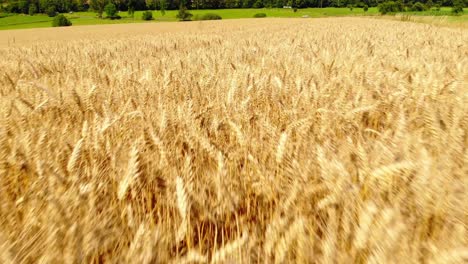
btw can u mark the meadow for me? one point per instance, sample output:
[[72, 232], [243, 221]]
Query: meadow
[[328, 140], [89, 18]]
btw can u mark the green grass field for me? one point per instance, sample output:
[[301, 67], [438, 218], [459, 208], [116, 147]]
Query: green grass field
[[89, 18], [8, 21]]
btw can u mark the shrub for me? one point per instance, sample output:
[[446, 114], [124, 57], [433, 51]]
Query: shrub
[[418, 7], [61, 21], [210, 16], [295, 9], [147, 15], [183, 14], [131, 11], [390, 7], [32, 10], [437, 7], [51, 12], [258, 15], [365, 8], [350, 7], [163, 6], [111, 11], [457, 7]]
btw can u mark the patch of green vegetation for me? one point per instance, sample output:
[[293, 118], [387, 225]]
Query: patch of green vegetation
[[458, 19], [89, 18], [22, 21], [78, 18], [444, 11], [2, 15], [9, 21], [208, 16], [147, 15], [61, 21], [429, 13], [280, 12]]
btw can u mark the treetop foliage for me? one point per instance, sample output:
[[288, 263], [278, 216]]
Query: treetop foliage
[[64, 6]]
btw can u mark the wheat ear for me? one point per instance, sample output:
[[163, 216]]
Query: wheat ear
[[72, 162], [281, 147], [221, 255], [132, 173]]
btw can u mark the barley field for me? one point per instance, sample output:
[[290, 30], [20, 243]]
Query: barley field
[[334, 140]]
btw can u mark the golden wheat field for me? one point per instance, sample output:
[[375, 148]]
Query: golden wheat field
[[339, 140]]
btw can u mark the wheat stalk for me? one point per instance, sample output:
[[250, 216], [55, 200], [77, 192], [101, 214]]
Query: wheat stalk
[[294, 232], [74, 157], [263, 143], [281, 147], [183, 207], [132, 173], [221, 255], [385, 175]]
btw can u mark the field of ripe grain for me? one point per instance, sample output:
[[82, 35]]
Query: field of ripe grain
[[276, 141]]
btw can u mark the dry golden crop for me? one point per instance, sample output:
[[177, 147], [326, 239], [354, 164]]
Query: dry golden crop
[[253, 141]]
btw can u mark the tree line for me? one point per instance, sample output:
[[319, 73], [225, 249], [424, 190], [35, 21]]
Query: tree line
[[62, 6]]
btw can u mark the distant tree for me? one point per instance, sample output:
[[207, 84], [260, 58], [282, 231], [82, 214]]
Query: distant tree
[[62, 6], [258, 4], [43, 5], [150, 4], [147, 15], [98, 6], [51, 11], [228, 3], [111, 10], [401, 5], [163, 7], [23, 7], [80, 5], [457, 7], [183, 14], [301, 4], [419, 7], [131, 4], [32, 9], [390, 7], [196, 4], [247, 3]]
